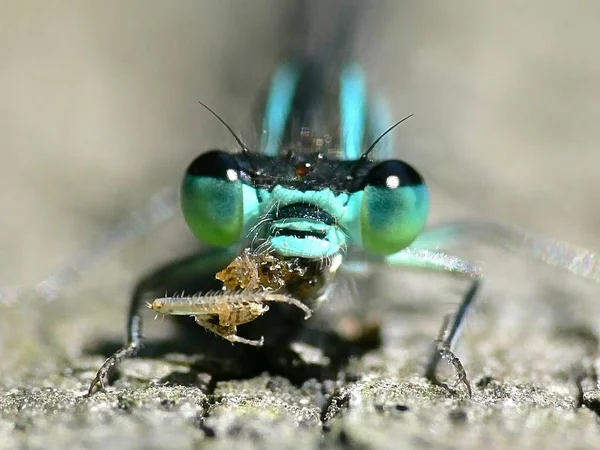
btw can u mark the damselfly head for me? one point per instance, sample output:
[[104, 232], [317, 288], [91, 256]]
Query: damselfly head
[[306, 200]]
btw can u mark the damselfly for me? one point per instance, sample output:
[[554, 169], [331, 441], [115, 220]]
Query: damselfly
[[310, 198], [316, 199]]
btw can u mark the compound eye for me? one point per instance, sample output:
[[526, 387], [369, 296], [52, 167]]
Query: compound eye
[[394, 208], [212, 198]]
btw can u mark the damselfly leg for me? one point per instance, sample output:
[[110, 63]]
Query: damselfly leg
[[452, 324], [188, 274]]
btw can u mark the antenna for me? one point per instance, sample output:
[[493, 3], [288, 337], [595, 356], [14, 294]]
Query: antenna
[[372, 146], [235, 136]]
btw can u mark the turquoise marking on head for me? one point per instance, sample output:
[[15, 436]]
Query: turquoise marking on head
[[301, 235], [310, 248], [352, 107], [324, 199], [279, 104]]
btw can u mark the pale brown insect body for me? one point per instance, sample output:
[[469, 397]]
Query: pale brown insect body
[[250, 282]]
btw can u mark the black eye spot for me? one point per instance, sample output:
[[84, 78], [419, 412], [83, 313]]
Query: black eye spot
[[215, 164], [392, 174]]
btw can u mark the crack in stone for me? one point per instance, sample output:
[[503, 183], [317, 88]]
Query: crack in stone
[[591, 400], [203, 414], [585, 378], [336, 402]]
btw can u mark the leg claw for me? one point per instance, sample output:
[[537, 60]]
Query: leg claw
[[461, 374], [97, 385]]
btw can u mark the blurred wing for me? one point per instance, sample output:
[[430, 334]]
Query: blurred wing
[[161, 207], [577, 260]]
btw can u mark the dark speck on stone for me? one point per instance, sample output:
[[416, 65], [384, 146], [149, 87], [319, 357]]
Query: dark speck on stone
[[124, 404], [344, 438], [209, 432], [167, 404], [458, 416], [484, 381]]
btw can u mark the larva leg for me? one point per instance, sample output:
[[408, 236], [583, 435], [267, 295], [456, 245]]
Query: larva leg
[[227, 332]]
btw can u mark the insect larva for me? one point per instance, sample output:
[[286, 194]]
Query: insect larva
[[220, 302]]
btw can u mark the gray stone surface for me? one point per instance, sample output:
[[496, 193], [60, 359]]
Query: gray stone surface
[[99, 111]]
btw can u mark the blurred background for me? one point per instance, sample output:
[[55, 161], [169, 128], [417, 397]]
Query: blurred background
[[98, 111]]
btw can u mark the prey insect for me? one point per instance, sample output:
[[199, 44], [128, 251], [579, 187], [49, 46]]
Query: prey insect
[[222, 313], [249, 283], [283, 218]]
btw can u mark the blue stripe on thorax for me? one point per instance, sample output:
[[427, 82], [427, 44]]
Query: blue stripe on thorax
[[278, 108], [359, 120], [352, 106]]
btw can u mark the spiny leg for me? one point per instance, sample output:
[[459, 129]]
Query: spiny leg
[[576, 260], [447, 338], [452, 325], [133, 343], [228, 332], [176, 276]]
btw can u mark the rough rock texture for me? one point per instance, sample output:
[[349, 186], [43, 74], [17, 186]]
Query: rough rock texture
[[99, 111]]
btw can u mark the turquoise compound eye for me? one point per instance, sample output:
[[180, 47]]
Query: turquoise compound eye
[[394, 208], [212, 198]]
